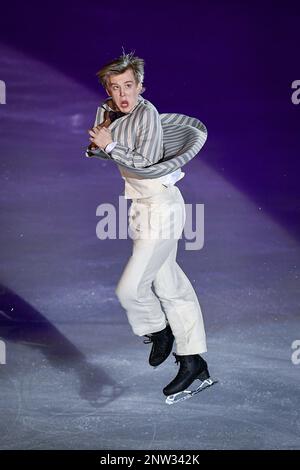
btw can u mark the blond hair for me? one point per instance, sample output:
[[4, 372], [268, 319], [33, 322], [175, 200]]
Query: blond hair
[[120, 65]]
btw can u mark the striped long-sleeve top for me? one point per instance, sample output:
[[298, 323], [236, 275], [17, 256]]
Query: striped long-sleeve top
[[150, 144]]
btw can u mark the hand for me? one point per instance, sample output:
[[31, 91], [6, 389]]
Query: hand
[[100, 136]]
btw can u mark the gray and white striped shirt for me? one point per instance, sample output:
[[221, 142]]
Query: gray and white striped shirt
[[138, 135], [150, 144]]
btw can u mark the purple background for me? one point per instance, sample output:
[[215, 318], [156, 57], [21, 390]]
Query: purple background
[[229, 63]]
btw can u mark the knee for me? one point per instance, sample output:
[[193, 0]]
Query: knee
[[120, 293], [125, 294]]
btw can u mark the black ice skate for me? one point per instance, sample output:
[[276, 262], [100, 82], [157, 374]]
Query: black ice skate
[[192, 367], [162, 345]]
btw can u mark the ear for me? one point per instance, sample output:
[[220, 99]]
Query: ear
[[107, 91]]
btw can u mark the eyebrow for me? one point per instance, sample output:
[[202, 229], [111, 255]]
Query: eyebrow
[[128, 81]]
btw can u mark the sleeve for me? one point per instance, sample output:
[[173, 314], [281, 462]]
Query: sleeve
[[148, 144], [110, 146], [99, 153]]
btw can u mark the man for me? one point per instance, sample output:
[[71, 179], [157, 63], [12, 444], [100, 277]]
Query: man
[[159, 300]]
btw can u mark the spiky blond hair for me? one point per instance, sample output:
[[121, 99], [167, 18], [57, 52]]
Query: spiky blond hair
[[120, 65]]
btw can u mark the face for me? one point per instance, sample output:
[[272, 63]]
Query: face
[[124, 90]]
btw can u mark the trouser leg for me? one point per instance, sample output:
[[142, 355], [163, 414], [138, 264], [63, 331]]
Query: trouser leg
[[181, 306], [134, 289]]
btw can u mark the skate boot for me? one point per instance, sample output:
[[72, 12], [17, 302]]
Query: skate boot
[[192, 367], [162, 345]]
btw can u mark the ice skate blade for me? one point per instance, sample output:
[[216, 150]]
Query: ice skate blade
[[185, 394]]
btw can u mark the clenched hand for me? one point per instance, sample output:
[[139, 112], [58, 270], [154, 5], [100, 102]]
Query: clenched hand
[[100, 136]]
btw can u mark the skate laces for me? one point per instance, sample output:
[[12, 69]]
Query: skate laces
[[149, 340], [159, 345], [153, 338], [176, 358], [183, 365]]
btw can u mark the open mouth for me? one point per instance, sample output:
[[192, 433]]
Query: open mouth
[[124, 104]]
